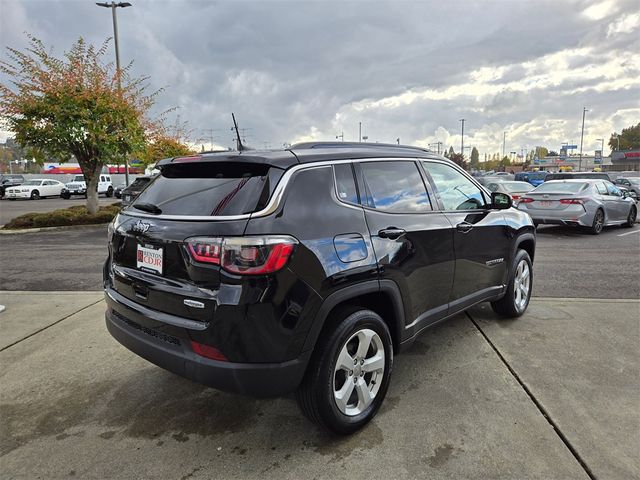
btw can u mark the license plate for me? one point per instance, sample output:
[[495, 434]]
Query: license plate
[[150, 258], [545, 203]]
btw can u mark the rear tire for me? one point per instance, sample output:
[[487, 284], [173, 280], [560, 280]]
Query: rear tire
[[598, 222], [631, 219], [516, 299], [35, 195], [109, 192], [349, 372]]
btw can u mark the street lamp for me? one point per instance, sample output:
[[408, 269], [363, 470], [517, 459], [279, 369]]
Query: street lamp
[[584, 111], [341, 136], [462, 120], [113, 5]]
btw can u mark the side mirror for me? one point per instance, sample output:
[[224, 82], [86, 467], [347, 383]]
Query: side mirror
[[501, 201]]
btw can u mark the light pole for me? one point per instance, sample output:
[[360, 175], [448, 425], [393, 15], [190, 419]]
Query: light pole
[[359, 131], [113, 5], [341, 136], [584, 111], [504, 142], [462, 120]]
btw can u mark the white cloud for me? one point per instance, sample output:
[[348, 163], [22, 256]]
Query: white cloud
[[625, 24], [600, 10]]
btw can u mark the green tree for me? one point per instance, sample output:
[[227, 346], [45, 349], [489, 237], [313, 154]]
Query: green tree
[[71, 107], [458, 159], [629, 138], [505, 162], [475, 158]]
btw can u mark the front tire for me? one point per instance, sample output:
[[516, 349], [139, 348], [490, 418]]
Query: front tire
[[516, 300], [631, 219], [598, 222], [35, 195], [109, 192], [349, 372]]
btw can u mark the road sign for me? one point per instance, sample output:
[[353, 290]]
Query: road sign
[[570, 147]]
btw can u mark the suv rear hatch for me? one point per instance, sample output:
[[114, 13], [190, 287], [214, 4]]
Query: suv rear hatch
[[152, 265]]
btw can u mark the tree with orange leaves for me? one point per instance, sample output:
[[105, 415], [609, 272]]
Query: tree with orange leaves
[[71, 107]]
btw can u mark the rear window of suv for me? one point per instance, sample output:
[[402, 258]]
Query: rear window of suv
[[210, 189]]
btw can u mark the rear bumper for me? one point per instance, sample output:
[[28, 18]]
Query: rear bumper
[[577, 218], [175, 354]]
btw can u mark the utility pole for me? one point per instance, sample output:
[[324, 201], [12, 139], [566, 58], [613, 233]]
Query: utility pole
[[584, 111], [360, 132], [113, 5], [462, 120], [504, 142]]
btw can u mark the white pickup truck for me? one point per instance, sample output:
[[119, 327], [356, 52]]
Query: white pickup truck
[[78, 186]]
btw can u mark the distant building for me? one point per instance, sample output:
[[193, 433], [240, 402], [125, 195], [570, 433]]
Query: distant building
[[626, 158]]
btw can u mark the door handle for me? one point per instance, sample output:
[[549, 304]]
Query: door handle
[[391, 233], [464, 227]]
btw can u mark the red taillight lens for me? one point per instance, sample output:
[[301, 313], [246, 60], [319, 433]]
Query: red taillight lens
[[572, 201], [208, 250], [515, 197], [208, 351], [526, 200], [244, 255]]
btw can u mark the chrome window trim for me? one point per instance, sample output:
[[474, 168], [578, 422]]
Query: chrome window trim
[[278, 193]]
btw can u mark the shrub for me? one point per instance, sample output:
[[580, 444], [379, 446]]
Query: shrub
[[76, 215]]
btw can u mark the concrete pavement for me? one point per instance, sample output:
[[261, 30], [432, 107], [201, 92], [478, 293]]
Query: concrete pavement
[[466, 402]]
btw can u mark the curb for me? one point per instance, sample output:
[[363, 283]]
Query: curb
[[50, 229]]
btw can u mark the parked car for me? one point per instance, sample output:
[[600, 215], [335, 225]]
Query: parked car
[[133, 190], [117, 192], [513, 188], [534, 178], [308, 269], [78, 186], [577, 175], [630, 183], [10, 180], [582, 203], [494, 178], [36, 189], [628, 192]]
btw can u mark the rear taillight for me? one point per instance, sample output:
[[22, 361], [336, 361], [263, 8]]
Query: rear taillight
[[244, 255], [572, 201], [193, 158], [515, 197], [208, 351], [526, 200]]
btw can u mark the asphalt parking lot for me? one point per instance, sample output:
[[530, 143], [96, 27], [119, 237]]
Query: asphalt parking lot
[[10, 209], [569, 262]]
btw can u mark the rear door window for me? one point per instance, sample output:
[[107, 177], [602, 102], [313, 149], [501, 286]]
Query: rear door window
[[209, 189], [395, 187]]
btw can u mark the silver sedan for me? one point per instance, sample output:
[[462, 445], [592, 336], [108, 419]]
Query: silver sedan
[[582, 203]]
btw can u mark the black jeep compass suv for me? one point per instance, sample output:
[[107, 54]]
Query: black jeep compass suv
[[308, 269]]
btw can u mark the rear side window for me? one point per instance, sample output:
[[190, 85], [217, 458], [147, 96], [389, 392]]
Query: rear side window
[[209, 189], [345, 183], [602, 189], [395, 187]]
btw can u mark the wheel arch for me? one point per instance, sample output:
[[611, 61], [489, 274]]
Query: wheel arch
[[380, 296], [527, 242]]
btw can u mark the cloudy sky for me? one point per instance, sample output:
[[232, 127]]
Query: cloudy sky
[[302, 70]]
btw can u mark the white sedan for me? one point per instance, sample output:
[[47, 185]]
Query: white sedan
[[35, 189]]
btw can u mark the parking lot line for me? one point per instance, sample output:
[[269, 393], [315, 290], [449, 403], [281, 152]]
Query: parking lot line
[[629, 233]]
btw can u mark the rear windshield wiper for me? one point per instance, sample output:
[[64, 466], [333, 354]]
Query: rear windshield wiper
[[148, 207]]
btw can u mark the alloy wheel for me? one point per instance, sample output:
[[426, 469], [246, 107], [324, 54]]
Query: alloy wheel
[[598, 222], [358, 372], [522, 284]]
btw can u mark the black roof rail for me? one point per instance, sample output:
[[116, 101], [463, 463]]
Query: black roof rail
[[311, 145]]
